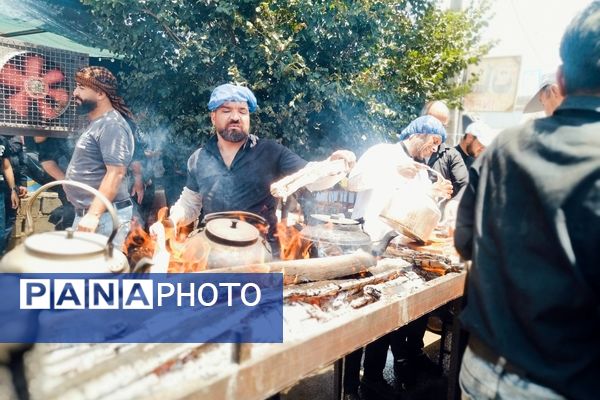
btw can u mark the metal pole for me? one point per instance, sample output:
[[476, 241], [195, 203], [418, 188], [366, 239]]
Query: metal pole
[[455, 121]]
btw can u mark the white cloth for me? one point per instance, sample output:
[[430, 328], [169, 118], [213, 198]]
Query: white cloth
[[376, 177], [187, 208]]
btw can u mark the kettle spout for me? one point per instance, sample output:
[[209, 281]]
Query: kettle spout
[[378, 248]]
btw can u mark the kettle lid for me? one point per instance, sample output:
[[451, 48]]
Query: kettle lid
[[338, 219], [231, 231], [66, 243]]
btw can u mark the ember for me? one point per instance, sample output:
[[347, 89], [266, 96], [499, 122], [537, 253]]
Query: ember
[[138, 245]]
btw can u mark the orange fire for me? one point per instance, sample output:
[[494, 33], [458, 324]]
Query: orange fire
[[291, 243], [181, 258]]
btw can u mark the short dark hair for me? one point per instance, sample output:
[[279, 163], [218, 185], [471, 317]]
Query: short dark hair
[[580, 51]]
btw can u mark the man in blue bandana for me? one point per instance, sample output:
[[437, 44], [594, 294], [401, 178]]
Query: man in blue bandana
[[234, 170], [378, 172]]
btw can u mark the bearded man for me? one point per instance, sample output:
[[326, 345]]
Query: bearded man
[[379, 171], [234, 170], [477, 137], [102, 154]]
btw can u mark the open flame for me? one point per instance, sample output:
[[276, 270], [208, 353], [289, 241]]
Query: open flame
[[292, 246], [173, 255]]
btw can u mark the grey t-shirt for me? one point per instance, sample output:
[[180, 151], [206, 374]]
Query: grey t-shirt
[[106, 141]]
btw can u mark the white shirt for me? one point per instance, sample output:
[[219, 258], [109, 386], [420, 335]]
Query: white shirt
[[376, 177]]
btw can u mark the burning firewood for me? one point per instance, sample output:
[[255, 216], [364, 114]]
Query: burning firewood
[[312, 269], [318, 292], [429, 265], [138, 245]]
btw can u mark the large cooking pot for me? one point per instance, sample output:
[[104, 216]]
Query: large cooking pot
[[334, 235], [228, 239], [65, 251], [414, 214]]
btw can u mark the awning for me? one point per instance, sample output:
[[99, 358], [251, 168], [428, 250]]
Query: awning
[[63, 24]]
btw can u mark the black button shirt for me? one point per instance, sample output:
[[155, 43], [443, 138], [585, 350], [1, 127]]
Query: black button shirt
[[245, 185], [448, 162], [530, 220], [468, 160]]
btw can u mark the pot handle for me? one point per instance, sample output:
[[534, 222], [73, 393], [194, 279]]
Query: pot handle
[[107, 204], [439, 176]]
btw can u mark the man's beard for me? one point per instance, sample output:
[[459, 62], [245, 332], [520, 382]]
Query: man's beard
[[233, 135], [424, 151], [470, 150], [85, 106]]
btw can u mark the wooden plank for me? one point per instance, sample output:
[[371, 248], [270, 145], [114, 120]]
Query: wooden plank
[[286, 363]]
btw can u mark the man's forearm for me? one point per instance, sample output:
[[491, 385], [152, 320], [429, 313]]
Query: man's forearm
[[187, 208], [109, 187], [8, 173], [52, 168]]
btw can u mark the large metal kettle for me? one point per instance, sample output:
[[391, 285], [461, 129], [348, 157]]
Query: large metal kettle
[[415, 214], [65, 251], [229, 239], [335, 235]]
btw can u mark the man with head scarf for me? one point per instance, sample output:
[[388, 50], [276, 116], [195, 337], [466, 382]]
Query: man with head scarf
[[380, 170], [102, 154], [386, 165], [234, 170], [530, 222]]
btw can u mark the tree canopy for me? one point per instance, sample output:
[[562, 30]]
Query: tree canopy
[[327, 73]]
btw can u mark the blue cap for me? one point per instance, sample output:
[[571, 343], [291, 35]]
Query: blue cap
[[424, 125], [228, 92]]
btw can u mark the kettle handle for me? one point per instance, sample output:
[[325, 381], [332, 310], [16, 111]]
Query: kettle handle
[[107, 204]]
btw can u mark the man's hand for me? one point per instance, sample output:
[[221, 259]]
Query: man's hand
[[22, 191], [450, 212], [409, 169], [345, 155], [14, 199], [442, 188], [88, 223], [157, 232], [137, 191]]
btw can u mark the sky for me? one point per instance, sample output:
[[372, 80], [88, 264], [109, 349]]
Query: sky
[[531, 29]]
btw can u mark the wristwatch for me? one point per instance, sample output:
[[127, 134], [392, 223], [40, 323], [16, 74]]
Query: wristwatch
[[15, 189]]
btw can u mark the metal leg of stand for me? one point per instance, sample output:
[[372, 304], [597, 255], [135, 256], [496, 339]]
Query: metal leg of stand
[[458, 342], [338, 378]]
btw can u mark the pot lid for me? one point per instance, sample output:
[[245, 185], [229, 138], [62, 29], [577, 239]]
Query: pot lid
[[66, 243], [339, 219], [231, 231]]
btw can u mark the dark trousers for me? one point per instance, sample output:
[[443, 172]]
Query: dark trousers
[[352, 371], [407, 342], [374, 364]]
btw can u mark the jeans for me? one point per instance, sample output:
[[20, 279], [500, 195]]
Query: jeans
[[10, 215], [105, 225], [4, 233], [480, 379]]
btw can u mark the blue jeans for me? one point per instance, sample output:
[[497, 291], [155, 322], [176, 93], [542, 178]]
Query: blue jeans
[[480, 379], [105, 225], [4, 232]]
